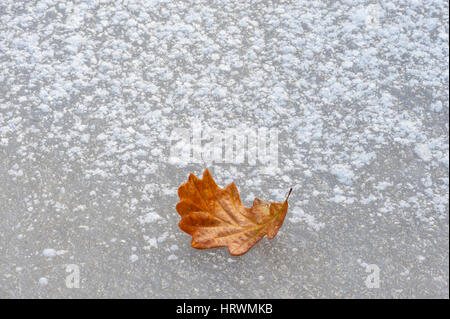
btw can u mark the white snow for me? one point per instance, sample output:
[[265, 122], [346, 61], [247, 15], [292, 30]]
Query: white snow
[[152, 242], [149, 218], [343, 173], [424, 152], [50, 252], [91, 93], [172, 257], [43, 281], [298, 215]]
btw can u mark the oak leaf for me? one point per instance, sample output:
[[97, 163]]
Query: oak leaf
[[215, 216]]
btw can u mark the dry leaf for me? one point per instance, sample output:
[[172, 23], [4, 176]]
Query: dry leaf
[[215, 217]]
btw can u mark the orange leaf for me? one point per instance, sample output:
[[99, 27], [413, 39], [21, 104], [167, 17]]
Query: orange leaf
[[215, 216]]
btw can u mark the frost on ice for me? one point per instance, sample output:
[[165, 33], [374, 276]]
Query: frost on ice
[[343, 173], [298, 215], [424, 152], [43, 281], [50, 252], [92, 91]]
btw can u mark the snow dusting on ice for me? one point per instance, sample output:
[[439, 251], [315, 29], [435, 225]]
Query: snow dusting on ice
[[43, 281], [91, 92], [423, 151]]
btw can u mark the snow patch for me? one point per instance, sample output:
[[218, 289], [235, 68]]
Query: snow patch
[[343, 173], [424, 152], [50, 252], [43, 281], [300, 216], [149, 218]]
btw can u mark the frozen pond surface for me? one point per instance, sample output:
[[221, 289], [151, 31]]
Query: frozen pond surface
[[91, 91]]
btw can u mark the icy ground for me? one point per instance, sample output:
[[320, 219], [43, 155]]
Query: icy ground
[[91, 90]]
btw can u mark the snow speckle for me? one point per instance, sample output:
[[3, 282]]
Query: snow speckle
[[172, 257], [424, 152], [298, 215], [50, 252], [92, 91], [43, 281], [149, 218], [152, 242], [343, 173]]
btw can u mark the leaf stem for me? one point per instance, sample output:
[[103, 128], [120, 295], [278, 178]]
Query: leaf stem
[[287, 197]]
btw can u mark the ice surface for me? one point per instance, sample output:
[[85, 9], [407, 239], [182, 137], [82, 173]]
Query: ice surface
[[91, 92]]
